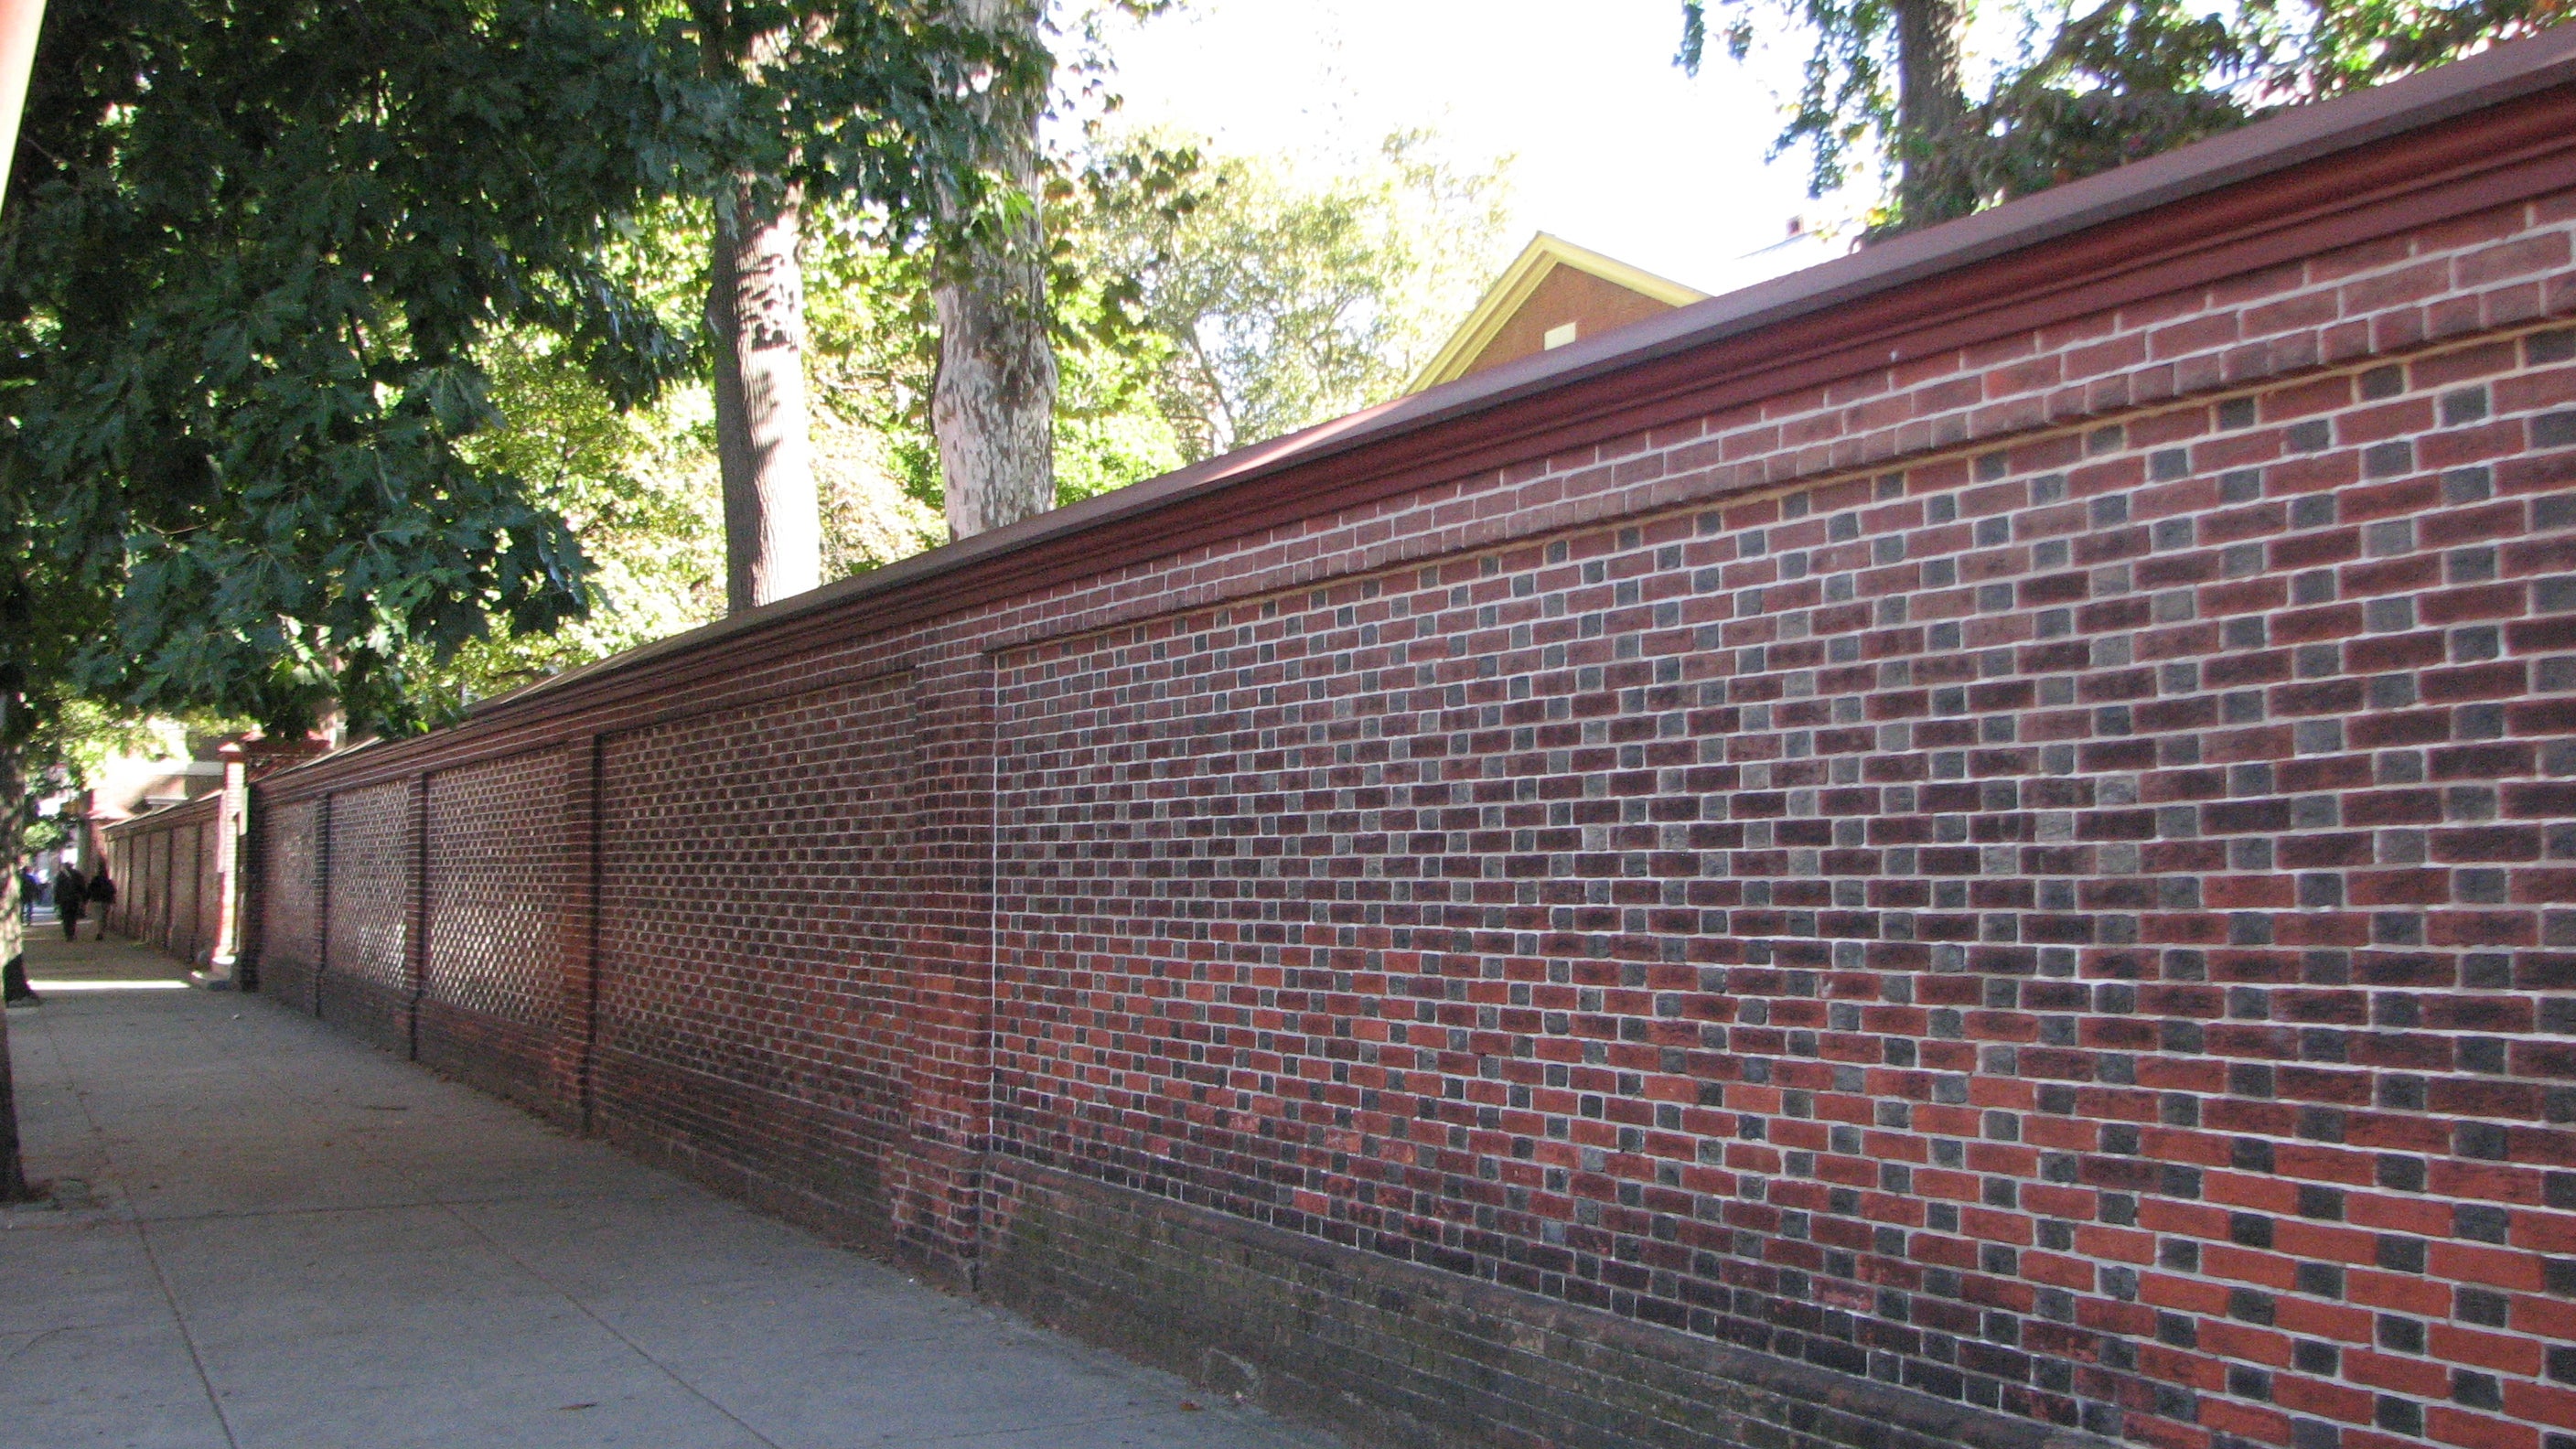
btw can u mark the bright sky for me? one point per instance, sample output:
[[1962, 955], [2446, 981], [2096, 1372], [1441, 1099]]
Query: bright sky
[[1615, 148]]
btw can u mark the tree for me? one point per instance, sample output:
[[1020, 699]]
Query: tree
[[992, 405], [2094, 89], [2114, 85], [258, 247], [1847, 110], [18, 24], [263, 243], [1194, 304], [256, 252], [875, 356], [249, 251], [915, 115], [756, 328], [638, 489], [1272, 302]]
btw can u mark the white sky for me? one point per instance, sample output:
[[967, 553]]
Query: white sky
[[1615, 148]]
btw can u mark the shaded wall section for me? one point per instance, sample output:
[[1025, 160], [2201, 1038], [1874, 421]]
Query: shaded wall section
[[165, 866], [370, 976], [752, 888], [289, 843], [491, 995]]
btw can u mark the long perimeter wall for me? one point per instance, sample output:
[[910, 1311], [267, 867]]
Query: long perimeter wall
[[167, 869], [1986, 855]]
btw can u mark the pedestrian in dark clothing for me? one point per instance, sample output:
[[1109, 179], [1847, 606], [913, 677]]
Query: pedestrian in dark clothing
[[14, 990], [71, 899], [102, 894], [28, 886]]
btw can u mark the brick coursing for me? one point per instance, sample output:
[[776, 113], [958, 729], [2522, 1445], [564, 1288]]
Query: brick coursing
[[1991, 927], [287, 844], [164, 867], [752, 899], [494, 873], [1415, 1356], [491, 993], [2029, 890], [368, 979]]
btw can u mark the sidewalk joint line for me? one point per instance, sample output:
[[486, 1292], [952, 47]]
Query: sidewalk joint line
[[143, 1240], [611, 1329]]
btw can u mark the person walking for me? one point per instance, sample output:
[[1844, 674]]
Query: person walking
[[14, 990], [101, 894], [71, 899]]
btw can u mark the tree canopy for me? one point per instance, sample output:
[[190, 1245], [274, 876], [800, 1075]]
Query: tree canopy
[[250, 251], [255, 251], [2090, 87], [1271, 298], [352, 356]]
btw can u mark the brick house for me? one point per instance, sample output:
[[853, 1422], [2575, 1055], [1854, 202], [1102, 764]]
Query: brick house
[[1553, 293]]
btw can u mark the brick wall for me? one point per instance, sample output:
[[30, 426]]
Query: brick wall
[[1994, 871], [2033, 927], [370, 976], [168, 895], [752, 878], [491, 995], [287, 842]]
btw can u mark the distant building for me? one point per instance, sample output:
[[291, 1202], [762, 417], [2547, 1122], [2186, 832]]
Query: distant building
[[1553, 293]]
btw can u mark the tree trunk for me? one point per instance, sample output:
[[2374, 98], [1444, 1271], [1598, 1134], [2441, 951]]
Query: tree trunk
[[756, 314], [756, 318], [992, 408], [13, 946], [13, 1176], [1929, 103]]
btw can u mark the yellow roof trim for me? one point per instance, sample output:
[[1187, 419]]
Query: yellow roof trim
[[1544, 254]]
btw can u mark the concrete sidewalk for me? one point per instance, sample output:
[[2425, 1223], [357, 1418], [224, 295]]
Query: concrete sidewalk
[[272, 1235]]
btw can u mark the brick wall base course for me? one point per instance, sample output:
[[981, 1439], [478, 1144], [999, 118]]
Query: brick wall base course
[[1397, 1354]]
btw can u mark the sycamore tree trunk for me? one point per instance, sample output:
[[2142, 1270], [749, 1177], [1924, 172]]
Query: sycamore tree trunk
[[992, 409], [13, 946], [1930, 101], [756, 319], [756, 315]]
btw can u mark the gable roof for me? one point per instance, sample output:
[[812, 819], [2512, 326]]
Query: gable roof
[[1520, 281]]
